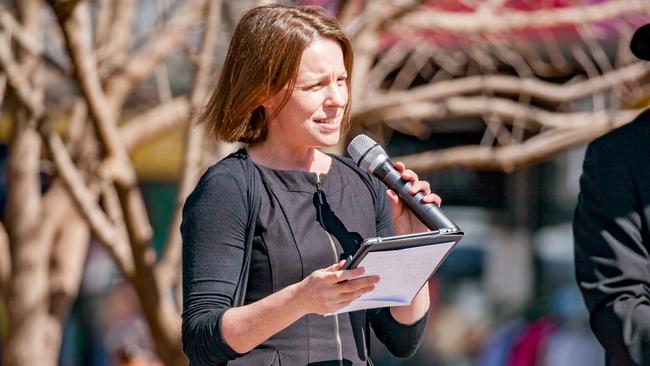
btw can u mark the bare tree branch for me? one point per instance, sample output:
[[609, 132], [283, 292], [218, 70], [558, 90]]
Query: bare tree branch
[[27, 41], [120, 27], [5, 260], [69, 252], [163, 84], [168, 267], [3, 87], [86, 199], [409, 70], [114, 210], [77, 126], [506, 85], [142, 65], [592, 72], [111, 61], [531, 118], [348, 10], [524, 70], [66, 267], [117, 166], [388, 62], [160, 312], [375, 14], [24, 38], [510, 157], [56, 204], [102, 29], [595, 48], [18, 81], [155, 121], [365, 32], [64, 8], [76, 31], [29, 249], [512, 20]]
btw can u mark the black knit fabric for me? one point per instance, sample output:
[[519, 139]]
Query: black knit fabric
[[297, 211]]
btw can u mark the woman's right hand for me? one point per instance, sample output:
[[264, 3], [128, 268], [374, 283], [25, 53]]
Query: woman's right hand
[[329, 289]]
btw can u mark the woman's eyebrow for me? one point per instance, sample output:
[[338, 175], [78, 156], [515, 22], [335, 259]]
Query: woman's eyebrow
[[311, 79], [319, 77]]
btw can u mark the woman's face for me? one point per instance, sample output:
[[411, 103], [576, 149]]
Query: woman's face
[[313, 114]]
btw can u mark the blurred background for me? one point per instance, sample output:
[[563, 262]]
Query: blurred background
[[491, 101]]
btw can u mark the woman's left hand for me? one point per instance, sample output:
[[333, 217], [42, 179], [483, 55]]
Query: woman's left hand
[[404, 221]]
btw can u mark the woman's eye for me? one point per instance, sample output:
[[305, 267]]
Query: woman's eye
[[313, 87]]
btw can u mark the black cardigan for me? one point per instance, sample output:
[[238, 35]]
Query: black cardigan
[[217, 240]]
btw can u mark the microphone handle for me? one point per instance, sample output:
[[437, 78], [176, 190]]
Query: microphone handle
[[430, 214]]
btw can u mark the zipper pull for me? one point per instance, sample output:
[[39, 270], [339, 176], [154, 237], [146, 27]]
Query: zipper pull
[[319, 193]]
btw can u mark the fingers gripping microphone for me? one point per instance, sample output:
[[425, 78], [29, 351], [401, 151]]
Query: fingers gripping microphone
[[369, 155]]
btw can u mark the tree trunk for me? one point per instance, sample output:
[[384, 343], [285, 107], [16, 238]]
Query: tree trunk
[[28, 287]]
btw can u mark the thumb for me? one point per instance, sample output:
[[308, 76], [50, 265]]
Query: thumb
[[393, 199], [335, 267]]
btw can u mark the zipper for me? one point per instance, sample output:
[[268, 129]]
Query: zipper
[[321, 202]]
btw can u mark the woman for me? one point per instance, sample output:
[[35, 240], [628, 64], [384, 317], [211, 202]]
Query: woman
[[265, 228]]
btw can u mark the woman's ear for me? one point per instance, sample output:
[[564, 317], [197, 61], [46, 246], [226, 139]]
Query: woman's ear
[[273, 101], [264, 101], [267, 100]]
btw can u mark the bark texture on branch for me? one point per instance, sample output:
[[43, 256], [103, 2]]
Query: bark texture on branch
[[5, 261], [508, 85], [509, 158], [192, 159], [139, 67], [86, 200], [158, 307], [27, 341], [154, 122], [24, 38], [510, 112], [512, 20]]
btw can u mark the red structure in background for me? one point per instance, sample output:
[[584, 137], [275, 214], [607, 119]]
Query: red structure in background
[[606, 29]]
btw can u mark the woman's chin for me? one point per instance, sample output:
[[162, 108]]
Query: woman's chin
[[330, 139]]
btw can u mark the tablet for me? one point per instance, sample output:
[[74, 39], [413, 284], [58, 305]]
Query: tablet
[[403, 263], [377, 244]]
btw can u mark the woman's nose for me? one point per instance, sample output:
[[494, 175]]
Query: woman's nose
[[336, 96]]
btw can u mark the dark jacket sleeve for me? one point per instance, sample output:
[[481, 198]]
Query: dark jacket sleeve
[[611, 259], [400, 339], [213, 232]]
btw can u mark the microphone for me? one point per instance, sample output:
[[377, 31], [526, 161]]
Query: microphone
[[370, 156]]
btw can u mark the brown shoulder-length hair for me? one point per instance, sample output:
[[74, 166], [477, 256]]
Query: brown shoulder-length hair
[[263, 57]]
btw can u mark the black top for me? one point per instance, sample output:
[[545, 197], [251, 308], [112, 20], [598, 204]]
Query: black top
[[612, 241], [304, 223]]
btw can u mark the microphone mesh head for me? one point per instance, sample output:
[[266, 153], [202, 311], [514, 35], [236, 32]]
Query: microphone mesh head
[[364, 151]]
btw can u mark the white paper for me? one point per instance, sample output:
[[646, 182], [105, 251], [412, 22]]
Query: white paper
[[402, 272]]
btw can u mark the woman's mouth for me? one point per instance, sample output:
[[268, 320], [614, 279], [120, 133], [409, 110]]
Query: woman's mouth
[[331, 124]]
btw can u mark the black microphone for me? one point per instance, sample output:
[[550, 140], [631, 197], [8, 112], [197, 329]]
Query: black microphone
[[369, 155]]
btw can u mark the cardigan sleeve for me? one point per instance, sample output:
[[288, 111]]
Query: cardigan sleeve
[[402, 340], [213, 231], [612, 262]]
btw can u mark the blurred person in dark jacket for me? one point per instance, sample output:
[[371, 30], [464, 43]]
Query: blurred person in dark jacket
[[612, 235]]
